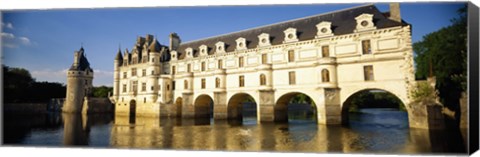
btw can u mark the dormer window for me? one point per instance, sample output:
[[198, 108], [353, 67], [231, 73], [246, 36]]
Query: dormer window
[[189, 52], [324, 29], [241, 44], [264, 39], [174, 55], [290, 35], [220, 47], [203, 50], [364, 22]]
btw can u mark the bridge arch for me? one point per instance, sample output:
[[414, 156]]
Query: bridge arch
[[203, 106], [235, 106], [281, 105], [346, 103]]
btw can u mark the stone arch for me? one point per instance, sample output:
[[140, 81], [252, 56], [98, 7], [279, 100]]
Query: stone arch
[[203, 106], [281, 109], [234, 106], [178, 106], [346, 102]]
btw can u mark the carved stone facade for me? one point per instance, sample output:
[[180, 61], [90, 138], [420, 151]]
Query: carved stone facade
[[322, 56]]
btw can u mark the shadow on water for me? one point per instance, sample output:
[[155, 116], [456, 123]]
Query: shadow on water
[[53, 129]]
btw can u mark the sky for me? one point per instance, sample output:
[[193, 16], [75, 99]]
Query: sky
[[43, 41]]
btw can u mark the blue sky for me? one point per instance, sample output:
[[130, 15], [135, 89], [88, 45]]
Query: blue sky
[[43, 41]]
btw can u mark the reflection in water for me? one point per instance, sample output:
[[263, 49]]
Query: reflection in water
[[75, 129], [373, 131]]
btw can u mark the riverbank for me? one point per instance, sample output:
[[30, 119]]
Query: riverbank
[[25, 108]]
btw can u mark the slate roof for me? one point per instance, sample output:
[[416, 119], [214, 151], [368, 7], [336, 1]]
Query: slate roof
[[343, 22], [83, 64], [142, 47]]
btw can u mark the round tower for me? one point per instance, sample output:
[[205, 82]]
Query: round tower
[[116, 74], [79, 83]]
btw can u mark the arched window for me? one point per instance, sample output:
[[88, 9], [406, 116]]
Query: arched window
[[185, 84], [217, 82], [263, 79], [325, 75]]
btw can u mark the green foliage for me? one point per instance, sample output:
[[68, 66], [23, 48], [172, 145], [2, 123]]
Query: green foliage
[[19, 86], [374, 99], [102, 91], [423, 91], [302, 99], [443, 54]]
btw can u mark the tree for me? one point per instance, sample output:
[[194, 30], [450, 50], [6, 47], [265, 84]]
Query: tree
[[20, 87], [102, 91], [443, 54]]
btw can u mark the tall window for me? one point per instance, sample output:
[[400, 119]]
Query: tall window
[[240, 62], [134, 60], [124, 88], [203, 66], [124, 74], [173, 70], [153, 72], [144, 86], [144, 72], [291, 77], [264, 58], [325, 75], [241, 81], [220, 64], [291, 55], [263, 79], [368, 72], [189, 68], [366, 49], [217, 82], [325, 51], [134, 86], [203, 83], [185, 84], [173, 85], [134, 71]]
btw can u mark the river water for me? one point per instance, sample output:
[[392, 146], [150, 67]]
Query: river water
[[383, 131]]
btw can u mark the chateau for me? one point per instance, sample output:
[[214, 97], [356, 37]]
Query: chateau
[[328, 57]]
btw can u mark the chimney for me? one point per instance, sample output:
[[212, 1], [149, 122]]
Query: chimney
[[395, 12], [174, 41]]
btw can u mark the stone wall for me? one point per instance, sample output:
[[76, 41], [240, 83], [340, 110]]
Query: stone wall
[[96, 105], [426, 115]]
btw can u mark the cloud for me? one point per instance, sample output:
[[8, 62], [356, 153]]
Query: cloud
[[8, 35], [24, 40], [50, 75], [9, 40], [7, 25]]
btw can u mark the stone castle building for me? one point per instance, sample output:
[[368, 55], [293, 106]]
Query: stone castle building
[[79, 83], [328, 57]]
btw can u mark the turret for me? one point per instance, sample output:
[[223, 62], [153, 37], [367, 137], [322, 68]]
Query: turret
[[116, 74], [79, 83]]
